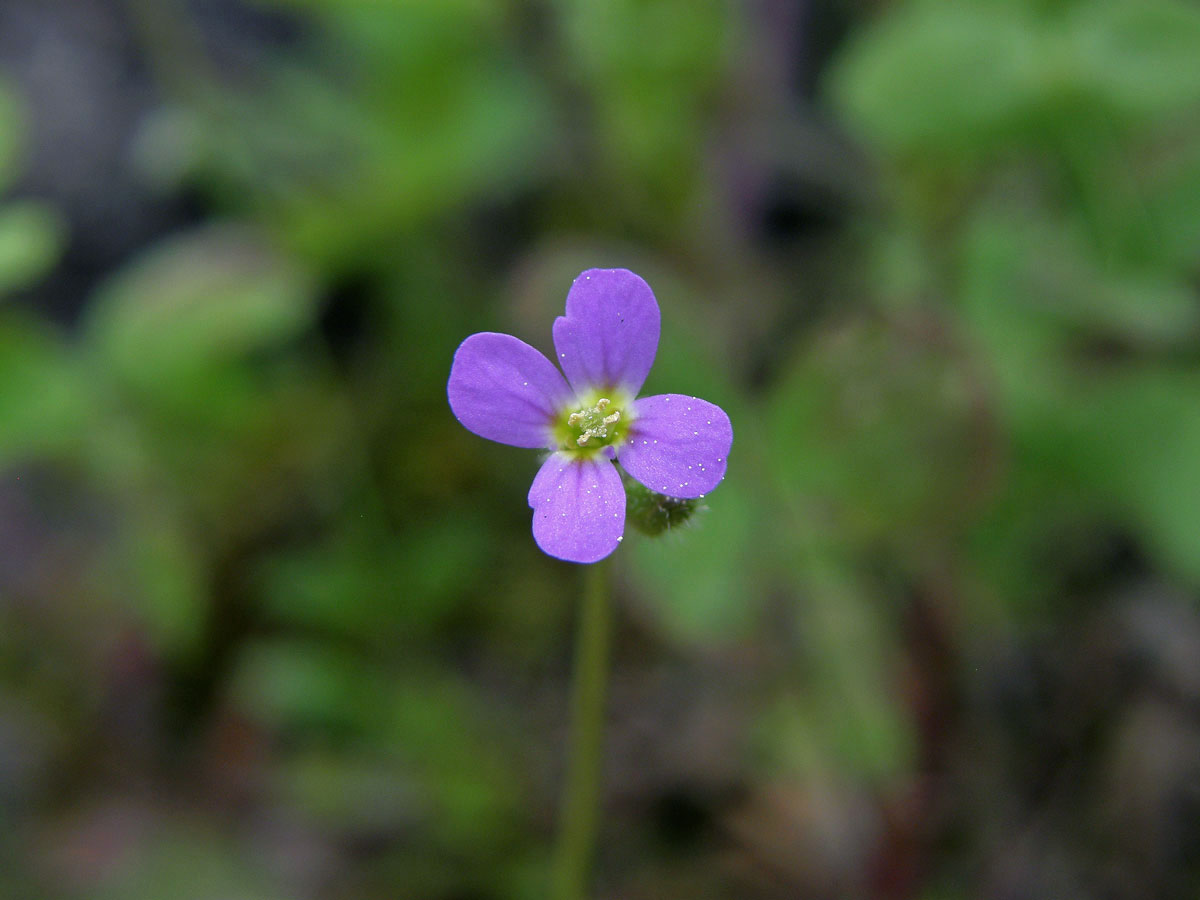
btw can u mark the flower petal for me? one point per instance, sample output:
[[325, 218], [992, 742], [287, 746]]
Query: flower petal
[[678, 445], [609, 336], [578, 507], [504, 390]]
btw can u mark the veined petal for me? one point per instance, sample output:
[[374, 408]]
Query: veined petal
[[677, 445], [609, 336], [578, 507], [504, 390]]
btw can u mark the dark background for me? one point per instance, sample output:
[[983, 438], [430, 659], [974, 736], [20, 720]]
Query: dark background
[[273, 625]]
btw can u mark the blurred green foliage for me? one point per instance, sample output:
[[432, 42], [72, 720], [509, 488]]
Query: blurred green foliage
[[1061, 240], [244, 472]]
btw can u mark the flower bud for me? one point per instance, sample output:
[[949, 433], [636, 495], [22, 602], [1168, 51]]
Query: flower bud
[[652, 513]]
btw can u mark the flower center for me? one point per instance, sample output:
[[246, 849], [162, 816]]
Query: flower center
[[593, 422], [600, 424]]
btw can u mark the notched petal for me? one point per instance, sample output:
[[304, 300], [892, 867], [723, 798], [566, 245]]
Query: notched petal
[[678, 445], [609, 335], [578, 507]]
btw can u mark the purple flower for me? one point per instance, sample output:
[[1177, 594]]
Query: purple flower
[[503, 389]]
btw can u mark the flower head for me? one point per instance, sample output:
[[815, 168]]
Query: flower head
[[503, 389]]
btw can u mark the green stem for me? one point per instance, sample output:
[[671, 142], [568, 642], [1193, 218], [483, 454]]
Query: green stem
[[581, 799]]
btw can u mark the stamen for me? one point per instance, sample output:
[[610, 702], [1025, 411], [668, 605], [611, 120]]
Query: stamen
[[591, 425]]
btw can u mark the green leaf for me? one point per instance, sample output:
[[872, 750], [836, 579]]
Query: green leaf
[[440, 109], [943, 79], [877, 426], [1137, 436], [1059, 277], [1141, 57], [31, 240], [298, 685], [45, 403], [1172, 195], [181, 324]]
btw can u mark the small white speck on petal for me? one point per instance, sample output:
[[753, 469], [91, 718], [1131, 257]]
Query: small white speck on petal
[[620, 538]]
